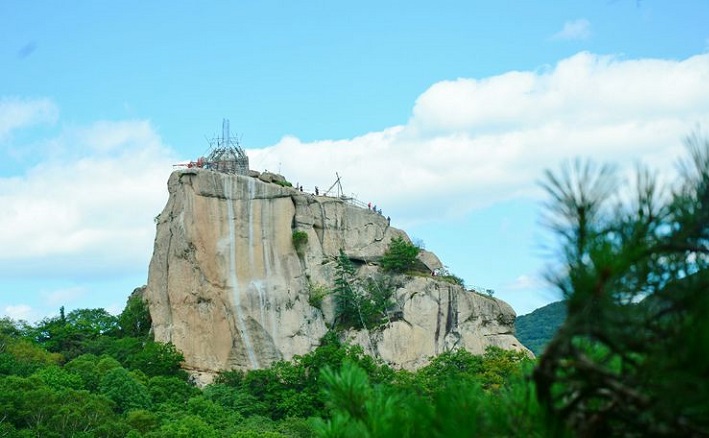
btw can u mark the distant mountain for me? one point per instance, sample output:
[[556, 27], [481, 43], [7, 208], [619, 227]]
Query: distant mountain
[[536, 329]]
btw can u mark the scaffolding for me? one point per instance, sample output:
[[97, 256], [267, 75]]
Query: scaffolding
[[226, 154], [337, 186]]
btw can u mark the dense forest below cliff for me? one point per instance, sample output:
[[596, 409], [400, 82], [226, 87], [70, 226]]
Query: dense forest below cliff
[[88, 373]]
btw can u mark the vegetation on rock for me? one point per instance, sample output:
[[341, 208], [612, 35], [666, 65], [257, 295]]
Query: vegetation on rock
[[316, 294], [300, 239], [283, 183], [399, 257], [360, 304], [447, 276]]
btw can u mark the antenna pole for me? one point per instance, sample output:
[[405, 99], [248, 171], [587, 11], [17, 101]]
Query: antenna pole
[[225, 132]]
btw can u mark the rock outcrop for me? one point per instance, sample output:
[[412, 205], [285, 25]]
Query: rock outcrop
[[227, 286]]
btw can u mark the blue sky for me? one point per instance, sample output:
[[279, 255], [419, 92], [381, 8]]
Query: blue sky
[[444, 114]]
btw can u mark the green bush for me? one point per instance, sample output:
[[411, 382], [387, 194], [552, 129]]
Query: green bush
[[300, 239], [360, 304], [316, 293], [400, 256], [453, 279]]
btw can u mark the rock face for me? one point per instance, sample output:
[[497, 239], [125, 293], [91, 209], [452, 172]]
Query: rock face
[[227, 286]]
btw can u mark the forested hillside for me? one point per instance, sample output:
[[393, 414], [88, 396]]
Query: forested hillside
[[536, 329], [90, 374]]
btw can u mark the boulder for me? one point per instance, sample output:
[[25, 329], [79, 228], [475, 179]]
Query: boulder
[[227, 286]]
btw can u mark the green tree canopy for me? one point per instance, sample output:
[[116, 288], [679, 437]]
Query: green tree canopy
[[124, 390], [400, 256], [630, 358], [135, 319]]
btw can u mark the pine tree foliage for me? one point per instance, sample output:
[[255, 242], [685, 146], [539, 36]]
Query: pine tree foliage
[[454, 402], [360, 303], [349, 297], [400, 256], [630, 358]]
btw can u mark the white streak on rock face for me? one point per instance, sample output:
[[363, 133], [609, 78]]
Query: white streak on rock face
[[258, 285], [260, 280], [251, 186], [241, 322]]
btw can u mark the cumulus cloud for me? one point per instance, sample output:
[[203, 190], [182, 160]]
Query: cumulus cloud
[[473, 142], [574, 30], [90, 207], [16, 113], [20, 312], [524, 282]]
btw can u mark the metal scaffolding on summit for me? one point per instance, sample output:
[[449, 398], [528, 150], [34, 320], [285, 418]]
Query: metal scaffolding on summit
[[226, 154]]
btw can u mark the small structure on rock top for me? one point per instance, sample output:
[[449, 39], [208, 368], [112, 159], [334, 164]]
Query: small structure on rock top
[[226, 155]]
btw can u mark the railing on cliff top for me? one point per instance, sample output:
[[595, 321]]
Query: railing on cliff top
[[354, 201]]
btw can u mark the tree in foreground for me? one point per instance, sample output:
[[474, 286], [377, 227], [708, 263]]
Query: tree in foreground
[[630, 359], [447, 398]]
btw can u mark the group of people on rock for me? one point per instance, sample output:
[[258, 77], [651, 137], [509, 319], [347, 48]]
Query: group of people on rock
[[374, 209], [299, 188], [378, 211], [369, 205]]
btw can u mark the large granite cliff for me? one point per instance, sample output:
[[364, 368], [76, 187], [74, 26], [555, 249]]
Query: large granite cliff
[[227, 286]]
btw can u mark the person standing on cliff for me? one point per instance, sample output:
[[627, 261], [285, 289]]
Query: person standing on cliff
[[317, 192]]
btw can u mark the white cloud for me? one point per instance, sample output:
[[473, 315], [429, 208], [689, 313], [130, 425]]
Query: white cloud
[[21, 312], [574, 30], [90, 207], [473, 142], [524, 282], [88, 210], [16, 113], [62, 297]]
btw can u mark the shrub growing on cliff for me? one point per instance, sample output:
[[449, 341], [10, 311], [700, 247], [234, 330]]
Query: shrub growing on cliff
[[316, 293], [360, 304], [300, 239], [348, 295], [447, 276], [400, 256]]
